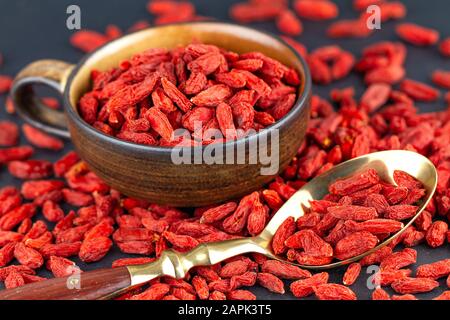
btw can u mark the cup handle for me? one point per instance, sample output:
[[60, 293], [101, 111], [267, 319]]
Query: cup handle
[[52, 73]]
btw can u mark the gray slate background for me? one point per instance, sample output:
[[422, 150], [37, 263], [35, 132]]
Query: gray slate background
[[31, 30]]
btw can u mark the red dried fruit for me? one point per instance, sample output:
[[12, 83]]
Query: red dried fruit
[[270, 282], [131, 262], [52, 212], [28, 256], [444, 47], [41, 139], [380, 294], [303, 288], [233, 268], [175, 95], [61, 250], [256, 219], [441, 78], [434, 270], [332, 291], [217, 295], [155, 292], [13, 280], [414, 285], [15, 153], [316, 10], [377, 226], [218, 213], [419, 91], [356, 213], [34, 189], [311, 243], [417, 35], [136, 247], [400, 212], [355, 244], [404, 297], [180, 242], [87, 40], [94, 249], [224, 117], [201, 287], [284, 270], [5, 84], [390, 75], [241, 295], [62, 166], [288, 23], [9, 133], [387, 277], [76, 198], [7, 253], [354, 183], [351, 274], [436, 234], [375, 96], [248, 12], [13, 218], [236, 222], [398, 260], [30, 169], [62, 267], [286, 229]]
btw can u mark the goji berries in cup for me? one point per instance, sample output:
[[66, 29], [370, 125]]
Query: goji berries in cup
[[150, 172]]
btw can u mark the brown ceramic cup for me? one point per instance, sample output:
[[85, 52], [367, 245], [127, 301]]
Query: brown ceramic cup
[[149, 172]]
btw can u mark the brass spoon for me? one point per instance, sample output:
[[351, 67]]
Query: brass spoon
[[107, 283]]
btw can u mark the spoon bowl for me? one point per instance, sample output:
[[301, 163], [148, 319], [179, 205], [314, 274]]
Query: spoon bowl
[[385, 163], [104, 284]]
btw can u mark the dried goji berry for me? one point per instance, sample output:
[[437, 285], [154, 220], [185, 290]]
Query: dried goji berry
[[380, 294], [41, 139], [284, 270], [414, 285], [444, 47], [417, 35], [436, 234], [419, 91], [5, 84], [305, 287], [333, 291], [351, 274], [28, 256], [355, 244], [155, 292], [288, 23], [313, 10], [87, 40], [62, 267]]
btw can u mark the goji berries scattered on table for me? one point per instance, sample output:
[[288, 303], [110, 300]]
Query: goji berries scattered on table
[[38, 231]]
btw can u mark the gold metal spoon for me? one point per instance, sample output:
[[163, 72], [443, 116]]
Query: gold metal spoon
[[107, 283]]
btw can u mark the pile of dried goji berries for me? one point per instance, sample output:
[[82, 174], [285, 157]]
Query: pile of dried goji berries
[[359, 211], [384, 117], [211, 93]]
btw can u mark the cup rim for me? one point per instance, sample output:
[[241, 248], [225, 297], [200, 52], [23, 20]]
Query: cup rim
[[298, 106]]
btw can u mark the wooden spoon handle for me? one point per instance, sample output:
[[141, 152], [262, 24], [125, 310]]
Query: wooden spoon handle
[[99, 284]]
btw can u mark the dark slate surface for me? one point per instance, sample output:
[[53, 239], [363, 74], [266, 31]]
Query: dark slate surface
[[31, 30]]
